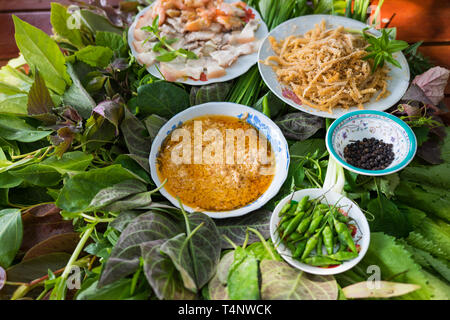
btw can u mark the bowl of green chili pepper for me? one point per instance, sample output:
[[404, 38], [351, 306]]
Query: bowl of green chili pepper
[[319, 231]]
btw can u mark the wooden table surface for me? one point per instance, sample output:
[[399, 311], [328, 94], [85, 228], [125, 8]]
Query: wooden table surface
[[416, 20]]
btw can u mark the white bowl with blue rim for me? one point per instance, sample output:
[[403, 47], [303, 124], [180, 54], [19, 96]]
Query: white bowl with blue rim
[[255, 118], [361, 238], [358, 125]]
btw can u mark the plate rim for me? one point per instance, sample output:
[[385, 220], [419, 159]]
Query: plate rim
[[399, 56]]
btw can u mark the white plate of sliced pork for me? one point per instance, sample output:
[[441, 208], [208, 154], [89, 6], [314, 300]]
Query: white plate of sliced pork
[[197, 42]]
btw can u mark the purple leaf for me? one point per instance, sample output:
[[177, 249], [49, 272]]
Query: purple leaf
[[430, 151], [415, 93], [2, 278], [112, 110], [433, 83], [40, 102]]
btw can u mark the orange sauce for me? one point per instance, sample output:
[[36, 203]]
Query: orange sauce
[[217, 186]]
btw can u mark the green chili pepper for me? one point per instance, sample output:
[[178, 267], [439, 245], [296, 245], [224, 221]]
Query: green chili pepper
[[319, 245], [303, 203], [327, 236], [343, 255], [344, 235], [285, 223], [290, 246], [314, 225], [323, 206], [310, 245], [284, 209], [300, 248], [304, 224], [321, 261], [293, 224], [292, 208], [295, 236]]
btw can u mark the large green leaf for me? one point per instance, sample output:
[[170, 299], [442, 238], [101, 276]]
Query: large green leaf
[[14, 87], [209, 93], [135, 135], [162, 274], [13, 128], [243, 282], [299, 125], [11, 232], [124, 258], [79, 190], [41, 52], [116, 192], [162, 98], [49, 172], [282, 282], [195, 256], [59, 18], [77, 96]]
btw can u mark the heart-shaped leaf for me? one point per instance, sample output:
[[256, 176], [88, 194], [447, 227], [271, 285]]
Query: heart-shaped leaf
[[118, 191], [162, 274], [299, 125], [65, 242], [124, 258]]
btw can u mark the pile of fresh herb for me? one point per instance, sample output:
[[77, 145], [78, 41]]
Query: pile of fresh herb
[[80, 217]]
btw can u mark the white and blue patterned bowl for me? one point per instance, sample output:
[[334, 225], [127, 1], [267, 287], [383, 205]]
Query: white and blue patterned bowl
[[253, 117], [358, 125]]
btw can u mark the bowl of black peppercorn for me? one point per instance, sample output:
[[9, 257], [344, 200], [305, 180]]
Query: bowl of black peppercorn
[[371, 143]]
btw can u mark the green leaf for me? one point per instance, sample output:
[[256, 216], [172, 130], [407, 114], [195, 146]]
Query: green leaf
[[38, 174], [153, 123], [110, 40], [217, 287], [276, 105], [41, 52], [124, 258], [14, 87], [11, 232], [236, 228], [79, 190], [135, 135], [243, 276], [387, 217], [196, 256], [59, 18], [282, 282], [162, 275], [210, 92], [70, 162], [77, 96], [166, 57], [13, 128], [119, 290], [299, 125], [97, 22], [162, 98], [95, 56], [7, 180]]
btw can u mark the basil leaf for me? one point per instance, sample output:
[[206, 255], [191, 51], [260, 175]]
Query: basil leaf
[[167, 57], [11, 232], [42, 52]]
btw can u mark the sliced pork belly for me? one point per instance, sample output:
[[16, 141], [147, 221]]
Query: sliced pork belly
[[213, 70], [199, 36], [147, 58]]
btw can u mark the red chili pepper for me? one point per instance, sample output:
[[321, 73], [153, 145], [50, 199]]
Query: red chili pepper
[[249, 15], [333, 266], [343, 212], [353, 229], [358, 248], [203, 77]]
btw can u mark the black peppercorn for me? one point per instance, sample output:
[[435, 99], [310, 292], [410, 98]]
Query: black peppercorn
[[371, 154]]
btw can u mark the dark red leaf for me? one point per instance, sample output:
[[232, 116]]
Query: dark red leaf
[[112, 110], [62, 141], [65, 242], [40, 103]]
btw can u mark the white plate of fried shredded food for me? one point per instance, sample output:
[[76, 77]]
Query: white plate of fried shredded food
[[315, 65]]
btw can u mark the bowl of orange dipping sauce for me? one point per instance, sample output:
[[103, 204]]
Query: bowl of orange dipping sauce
[[220, 158]]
